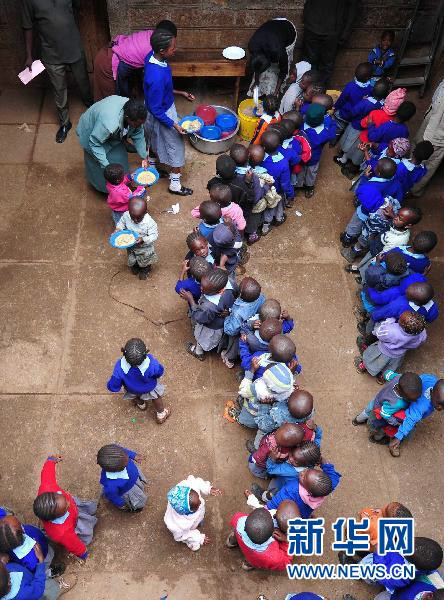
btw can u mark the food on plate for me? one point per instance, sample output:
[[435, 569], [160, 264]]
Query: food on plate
[[125, 239], [191, 125], [145, 178]]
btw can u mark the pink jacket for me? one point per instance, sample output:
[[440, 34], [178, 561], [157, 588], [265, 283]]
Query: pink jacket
[[233, 211], [119, 195]]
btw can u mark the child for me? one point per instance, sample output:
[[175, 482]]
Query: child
[[209, 313], [142, 255], [269, 116], [191, 275], [277, 166], [211, 214], [226, 175], [198, 246], [290, 147], [257, 341], [314, 89], [285, 437], [416, 254], [17, 582], [66, 520], [386, 271], [225, 243], [253, 534], [23, 543], [122, 481], [121, 189], [352, 93], [270, 309], [299, 135], [186, 511], [223, 195], [301, 72], [319, 130], [139, 372], [394, 339], [382, 56], [393, 128], [305, 456], [245, 306], [418, 297], [269, 198], [354, 115], [411, 171]]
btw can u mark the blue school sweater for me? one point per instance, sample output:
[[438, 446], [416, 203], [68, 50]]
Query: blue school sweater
[[360, 110], [396, 307], [318, 137], [376, 54], [292, 150], [190, 285], [371, 193], [278, 167], [30, 560], [137, 380], [291, 492], [420, 409], [31, 586], [207, 312], [113, 489], [352, 93], [389, 560], [240, 312], [377, 276], [206, 229], [408, 174], [387, 132], [232, 253], [385, 296], [158, 89], [416, 262]]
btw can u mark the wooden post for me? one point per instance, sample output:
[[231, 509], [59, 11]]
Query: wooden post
[[236, 93]]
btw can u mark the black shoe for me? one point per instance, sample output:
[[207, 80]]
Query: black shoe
[[184, 191], [57, 569], [345, 240], [144, 272], [257, 491], [338, 162], [63, 132], [250, 447], [309, 191], [135, 269]]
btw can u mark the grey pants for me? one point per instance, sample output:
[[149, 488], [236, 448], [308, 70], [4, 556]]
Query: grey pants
[[274, 213], [52, 589], [354, 226], [57, 77], [307, 176]]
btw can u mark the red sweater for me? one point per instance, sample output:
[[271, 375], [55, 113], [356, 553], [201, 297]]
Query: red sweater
[[379, 117], [274, 558], [63, 533]]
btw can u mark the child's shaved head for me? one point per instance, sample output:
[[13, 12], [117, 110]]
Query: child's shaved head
[[270, 141], [420, 293], [386, 168], [295, 116], [287, 510], [410, 386], [270, 309], [137, 209], [239, 154], [300, 404], [259, 525], [269, 328], [198, 267], [250, 289], [289, 435], [287, 127], [324, 100], [282, 348], [225, 166], [210, 211], [256, 155], [221, 194]]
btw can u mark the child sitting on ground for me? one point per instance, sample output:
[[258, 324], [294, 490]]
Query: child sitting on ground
[[122, 482], [253, 534], [270, 115], [416, 254], [186, 511], [66, 520], [382, 56], [191, 274], [226, 175], [198, 246], [210, 213], [245, 306], [285, 437], [277, 166], [207, 315], [319, 129], [353, 92], [410, 171], [121, 188], [305, 456], [394, 339], [225, 243], [301, 76], [18, 582], [142, 255], [138, 372]]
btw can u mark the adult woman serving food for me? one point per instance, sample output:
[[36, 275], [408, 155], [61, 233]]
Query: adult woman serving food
[[103, 130], [163, 133]]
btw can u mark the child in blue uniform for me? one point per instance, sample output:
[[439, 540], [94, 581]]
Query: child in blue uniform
[[416, 254], [410, 171], [18, 583], [382, 56], [352, 93], [319, 130], [395, 128], [139, 372], [418, 297], [122, 481], [191, 274], [277, 166], [225, 243], [270, 309], [211, 215]]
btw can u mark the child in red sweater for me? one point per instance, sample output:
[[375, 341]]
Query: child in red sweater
[[253, 534], [66, 520]]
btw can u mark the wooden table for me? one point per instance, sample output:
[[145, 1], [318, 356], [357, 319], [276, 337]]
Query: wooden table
[[208, 63]]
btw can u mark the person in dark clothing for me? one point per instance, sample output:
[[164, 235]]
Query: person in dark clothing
[[61, 48], [327, 26], [271, 54]]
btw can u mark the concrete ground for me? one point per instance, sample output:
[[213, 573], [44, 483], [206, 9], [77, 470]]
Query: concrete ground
[[65, 296]]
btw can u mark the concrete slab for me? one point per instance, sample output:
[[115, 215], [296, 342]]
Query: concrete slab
[[17, 144], [49, 111], [20, 105], [47, 150], [15, 200]]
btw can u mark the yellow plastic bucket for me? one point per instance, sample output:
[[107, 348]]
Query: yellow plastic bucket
[[247, 123]]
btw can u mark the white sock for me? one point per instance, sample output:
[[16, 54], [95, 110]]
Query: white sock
[[152, 161], [162, 413], [343, 159], [175, 185]]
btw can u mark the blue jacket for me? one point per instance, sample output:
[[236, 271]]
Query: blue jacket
[[376, 54], [386, 296], [387, 132], [416, 262], [360, 110], [318, 137], [3, 512], [206, 229], [352, 93], [389, 560], [32, 586], [408, 174], [190, 285], [158, 90], [278, 415], [292, 150], [113, 489], [419, 410], [396, 307], [411, 591], [377, 277], [371, 193], [240, 312], [30, 561], [291, 491], [136, 380], [277, 166]]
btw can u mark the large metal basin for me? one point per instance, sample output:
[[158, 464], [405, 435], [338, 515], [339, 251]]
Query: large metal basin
[[215, 146]]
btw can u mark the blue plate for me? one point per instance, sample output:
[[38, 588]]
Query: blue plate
[[226, 122], [140, 170], [192, 118], [210, 132], [113, 237]]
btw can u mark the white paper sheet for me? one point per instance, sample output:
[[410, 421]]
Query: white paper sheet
[[28, 75]]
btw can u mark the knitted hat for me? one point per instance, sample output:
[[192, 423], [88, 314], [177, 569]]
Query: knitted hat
[[315, 115], [179, 498], [393, 100], [401, 146], [278, 378]]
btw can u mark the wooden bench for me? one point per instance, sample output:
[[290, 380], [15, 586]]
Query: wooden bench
[[208, 63]]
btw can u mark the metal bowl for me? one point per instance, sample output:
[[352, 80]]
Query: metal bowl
[[215, 146]]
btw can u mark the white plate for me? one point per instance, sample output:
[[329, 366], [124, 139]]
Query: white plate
[[233, 52]]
